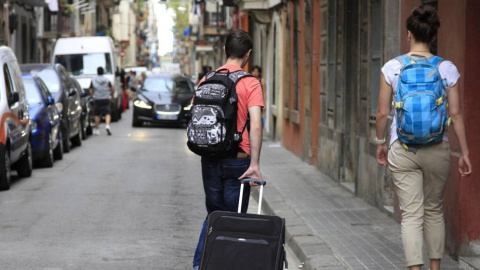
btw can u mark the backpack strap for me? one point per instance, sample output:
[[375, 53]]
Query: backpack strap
[[403, 59]]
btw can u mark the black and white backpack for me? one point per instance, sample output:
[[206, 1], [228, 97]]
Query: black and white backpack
[[212, 125]]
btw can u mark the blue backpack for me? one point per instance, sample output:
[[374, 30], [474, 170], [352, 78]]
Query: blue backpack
[[421, 100]]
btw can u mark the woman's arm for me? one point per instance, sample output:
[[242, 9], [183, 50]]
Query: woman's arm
[[383, 110], [464, 166]]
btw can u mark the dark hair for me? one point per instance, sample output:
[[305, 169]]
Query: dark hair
[[238, 44], [423, 23], [257, 67], [100, 70]]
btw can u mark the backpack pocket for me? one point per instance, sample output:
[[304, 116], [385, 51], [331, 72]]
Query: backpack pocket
[[420, 118], [212, 91], [207, 125]]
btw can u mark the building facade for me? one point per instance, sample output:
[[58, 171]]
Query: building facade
[[321, 60]]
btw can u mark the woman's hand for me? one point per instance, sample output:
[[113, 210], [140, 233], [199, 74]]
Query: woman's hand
[[464, 166], [382, 154]]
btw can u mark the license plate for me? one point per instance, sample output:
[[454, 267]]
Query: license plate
[[167, 116]]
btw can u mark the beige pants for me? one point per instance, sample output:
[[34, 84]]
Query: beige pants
[[420, 181]]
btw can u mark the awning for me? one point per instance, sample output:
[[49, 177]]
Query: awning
[[52, 5], [33, 3], [204, 48]]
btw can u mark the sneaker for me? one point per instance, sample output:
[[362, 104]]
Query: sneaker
[[108, 131], [96, 131]]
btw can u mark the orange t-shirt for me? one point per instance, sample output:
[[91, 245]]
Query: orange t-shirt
[[249, 92]]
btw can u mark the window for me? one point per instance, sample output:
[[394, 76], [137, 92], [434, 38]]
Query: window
[[51, 79], [31, 91], [287, 62], [85, 64], [331, 53], [296, 59], [274, 77], [8, 81], [376, 29], [158, 84]]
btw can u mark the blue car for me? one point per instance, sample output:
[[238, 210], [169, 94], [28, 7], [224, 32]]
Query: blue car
[[44, 122]]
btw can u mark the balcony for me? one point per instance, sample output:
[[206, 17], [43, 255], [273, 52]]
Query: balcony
[[257, 4], [215, 23], [59, 24]]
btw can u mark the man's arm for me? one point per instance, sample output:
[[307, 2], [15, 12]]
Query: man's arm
[[111, 90], [90, 90], [255, 135]]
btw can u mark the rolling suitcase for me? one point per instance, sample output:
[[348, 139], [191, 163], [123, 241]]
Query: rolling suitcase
[[237, 241]]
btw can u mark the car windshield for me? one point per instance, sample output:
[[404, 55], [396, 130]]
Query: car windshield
[[85, 64], [158, 84], [32, 92], [50, 78]]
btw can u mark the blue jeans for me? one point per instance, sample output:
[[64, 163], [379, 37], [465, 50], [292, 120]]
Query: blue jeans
[[222, 190]]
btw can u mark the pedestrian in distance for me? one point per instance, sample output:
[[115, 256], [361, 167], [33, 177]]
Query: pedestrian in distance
[[419, 153], [221, 175], [101, 90], [257, 73]]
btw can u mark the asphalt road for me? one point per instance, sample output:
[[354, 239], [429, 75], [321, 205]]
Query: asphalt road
[[133, 200]]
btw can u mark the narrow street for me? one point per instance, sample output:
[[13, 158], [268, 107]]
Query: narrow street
[[133, 200]]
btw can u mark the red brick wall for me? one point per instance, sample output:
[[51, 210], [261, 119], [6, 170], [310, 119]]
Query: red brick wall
[[470, 187]]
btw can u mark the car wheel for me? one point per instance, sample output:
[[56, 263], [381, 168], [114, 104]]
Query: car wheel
[[66, 139], [83, 130], [77, 139], [49, 155], [119, 110], [25, 164], [5, 172], [58, 152], [135, 121], [90, 123], [114, 113]]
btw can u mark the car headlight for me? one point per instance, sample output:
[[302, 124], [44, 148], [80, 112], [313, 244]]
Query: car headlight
[[187, 108], [142, 104], [59, 107]]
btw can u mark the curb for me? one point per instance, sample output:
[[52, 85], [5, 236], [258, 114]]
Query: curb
[[308, 247]]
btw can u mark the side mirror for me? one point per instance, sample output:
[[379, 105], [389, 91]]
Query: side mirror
[[50, 101], [72, 93], [14, 98]]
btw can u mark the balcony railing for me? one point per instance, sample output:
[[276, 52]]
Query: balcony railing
[[59, 24]]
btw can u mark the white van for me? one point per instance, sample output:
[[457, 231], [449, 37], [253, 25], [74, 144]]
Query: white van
[[15, 143], [81, 56]]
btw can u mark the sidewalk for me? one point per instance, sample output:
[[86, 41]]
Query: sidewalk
[[327, 226]]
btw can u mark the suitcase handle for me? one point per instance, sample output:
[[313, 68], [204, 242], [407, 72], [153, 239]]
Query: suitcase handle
[[256, 181], [244, 181]]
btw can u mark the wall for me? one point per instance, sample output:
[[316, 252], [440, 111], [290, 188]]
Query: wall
[[470, 188]]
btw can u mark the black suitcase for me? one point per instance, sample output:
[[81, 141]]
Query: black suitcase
[[237, 241]]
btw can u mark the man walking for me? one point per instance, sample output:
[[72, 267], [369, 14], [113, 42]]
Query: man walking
[[221, 175], [102, 91]]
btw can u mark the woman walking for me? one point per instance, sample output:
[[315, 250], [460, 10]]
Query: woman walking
[[420, 171]]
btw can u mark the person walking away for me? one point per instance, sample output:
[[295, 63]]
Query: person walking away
[[132, 83], [419, 154], [257, 73], [102, 91], [221, 175]]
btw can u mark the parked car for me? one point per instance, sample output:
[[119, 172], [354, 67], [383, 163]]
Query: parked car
[[83, 55], [67, 99], [87, 120], [15, 144], [163, 99], [45, 122]]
